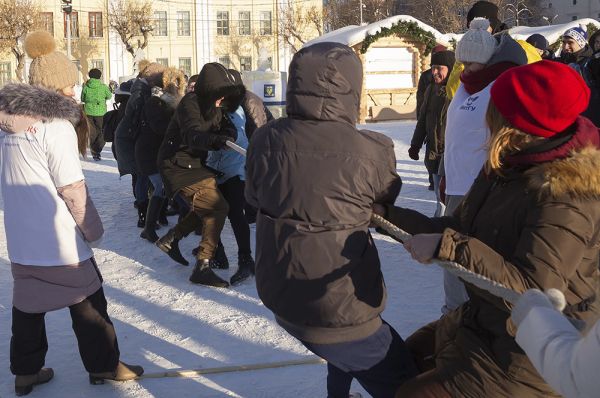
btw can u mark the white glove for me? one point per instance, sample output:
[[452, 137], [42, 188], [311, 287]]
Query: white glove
[[553, 298]]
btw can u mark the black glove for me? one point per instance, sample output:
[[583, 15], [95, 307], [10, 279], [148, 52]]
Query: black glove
[[413, 152], [217, 141]]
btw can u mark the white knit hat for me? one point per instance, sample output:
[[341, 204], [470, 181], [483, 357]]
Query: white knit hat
[[477, 45]]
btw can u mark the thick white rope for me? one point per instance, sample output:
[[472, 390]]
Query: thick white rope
[[482, 282]]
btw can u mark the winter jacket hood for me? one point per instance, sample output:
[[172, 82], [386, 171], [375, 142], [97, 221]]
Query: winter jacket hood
[[22, 104], [215, 82], [332, 94], [575, 175]]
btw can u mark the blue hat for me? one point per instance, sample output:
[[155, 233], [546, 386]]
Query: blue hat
[[577, 34]]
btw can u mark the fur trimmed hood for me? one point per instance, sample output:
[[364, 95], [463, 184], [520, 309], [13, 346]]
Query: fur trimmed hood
[[577, 175], [23, 104]]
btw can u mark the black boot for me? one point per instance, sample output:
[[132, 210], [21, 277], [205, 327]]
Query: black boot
[[245, 269], [162, 215], [170, 245], [220, 260], [204, 275], [154, 208], [142, 208]]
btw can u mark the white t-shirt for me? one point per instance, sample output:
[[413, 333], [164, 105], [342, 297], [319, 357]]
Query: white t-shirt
[[466, 138], [33, 164]]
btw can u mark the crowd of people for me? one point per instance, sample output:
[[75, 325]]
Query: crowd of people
[[512, 147]]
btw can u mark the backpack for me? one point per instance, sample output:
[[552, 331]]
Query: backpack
[[112, 118]]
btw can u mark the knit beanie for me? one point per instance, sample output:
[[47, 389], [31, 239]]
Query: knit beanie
[[541, 99], [487, 10], [538, 41], [49, 68], [445, 58], [95, 74], [477, 45], [577, 34]]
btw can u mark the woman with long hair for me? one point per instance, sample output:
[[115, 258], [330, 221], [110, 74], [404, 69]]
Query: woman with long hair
[[530, 220]]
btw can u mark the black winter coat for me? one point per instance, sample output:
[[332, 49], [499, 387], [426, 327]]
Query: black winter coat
[[425, 79], [194, 128], [314, 178], [431, 126], [156, 116], [257, 114]]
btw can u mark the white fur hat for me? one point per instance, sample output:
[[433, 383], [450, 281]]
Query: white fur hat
[[477, 45]]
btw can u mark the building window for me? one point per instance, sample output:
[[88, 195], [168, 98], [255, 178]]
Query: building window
[[223, 23], [4, 73], [160, 23], [185, 64], [574, 18], [163, 61], [96, 28], [183, 23], [244, 24], [47, 22], [225, 61], [245, 63], [74, 24], [574, 2], [265, 23], [97, 64]]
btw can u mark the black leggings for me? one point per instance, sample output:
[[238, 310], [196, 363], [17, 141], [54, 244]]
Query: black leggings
[[233, 191]]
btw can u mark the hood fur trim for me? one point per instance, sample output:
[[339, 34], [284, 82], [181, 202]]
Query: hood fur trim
[[38, 102], [576, 176]]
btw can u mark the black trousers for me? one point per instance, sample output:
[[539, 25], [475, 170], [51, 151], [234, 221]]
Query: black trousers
[[96, 136], [233, 191], [93, 328]]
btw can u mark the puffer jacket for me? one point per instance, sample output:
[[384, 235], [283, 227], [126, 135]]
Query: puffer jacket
[[194, 128], [94, 96], [128, 130], [156, 116], [314, 178], [537, 227]]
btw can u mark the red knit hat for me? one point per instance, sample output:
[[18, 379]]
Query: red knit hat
[[543, 98]]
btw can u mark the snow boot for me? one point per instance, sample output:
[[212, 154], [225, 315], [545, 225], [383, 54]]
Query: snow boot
[[123, 372], [204, 275], [245, 269], [170, 245], [142, 208], [162, 215], [24, 384], [152, 215], [220, 260]]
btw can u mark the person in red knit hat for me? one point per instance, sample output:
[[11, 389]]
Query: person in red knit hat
[[529, 221]]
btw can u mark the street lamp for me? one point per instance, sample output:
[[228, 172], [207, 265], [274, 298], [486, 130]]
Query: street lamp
[[67, 8]]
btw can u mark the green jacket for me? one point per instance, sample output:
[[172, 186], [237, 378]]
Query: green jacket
[[94, 95]]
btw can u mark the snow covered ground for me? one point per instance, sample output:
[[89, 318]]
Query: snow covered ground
[[163, 322]]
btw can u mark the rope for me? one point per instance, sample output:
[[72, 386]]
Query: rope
[[235, 368], [482, 282]]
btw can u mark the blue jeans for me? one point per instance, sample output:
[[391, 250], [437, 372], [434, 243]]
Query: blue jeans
[[380, 363], [141, 188]]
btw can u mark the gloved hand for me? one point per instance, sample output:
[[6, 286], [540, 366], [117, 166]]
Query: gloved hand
[[413, 152], [553, 298], [218, 141]]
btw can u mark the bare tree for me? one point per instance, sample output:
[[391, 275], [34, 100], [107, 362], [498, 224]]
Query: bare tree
[[133, 22], [340, 13], [297, 25], [17, 18]]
